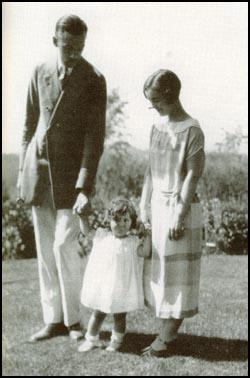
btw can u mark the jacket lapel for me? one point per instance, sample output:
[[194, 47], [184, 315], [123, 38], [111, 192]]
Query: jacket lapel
[[52, 86], [77, 83]]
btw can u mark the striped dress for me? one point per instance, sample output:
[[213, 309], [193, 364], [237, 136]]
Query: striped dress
[[171, 279]]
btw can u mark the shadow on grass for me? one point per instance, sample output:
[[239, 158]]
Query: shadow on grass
[[201, 347]]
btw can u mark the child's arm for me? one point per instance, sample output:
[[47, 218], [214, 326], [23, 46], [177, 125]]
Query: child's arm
[[84, 225], [144, 249], [85, 236]]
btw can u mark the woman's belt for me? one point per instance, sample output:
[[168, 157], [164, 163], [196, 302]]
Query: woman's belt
[[171, 194]]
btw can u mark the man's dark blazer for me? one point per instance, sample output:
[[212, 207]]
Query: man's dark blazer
[[70, 125]]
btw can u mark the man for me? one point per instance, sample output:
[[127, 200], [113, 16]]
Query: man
[[62, 143]]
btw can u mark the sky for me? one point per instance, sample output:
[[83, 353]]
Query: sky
[[205, 44]]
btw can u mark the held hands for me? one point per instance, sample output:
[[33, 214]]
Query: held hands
[[86, 243], [144, 233], [81, 208], [81, 205], [85, 238], [143, 223]]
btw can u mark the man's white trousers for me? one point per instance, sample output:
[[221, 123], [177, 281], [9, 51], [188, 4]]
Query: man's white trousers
[[59, 264]]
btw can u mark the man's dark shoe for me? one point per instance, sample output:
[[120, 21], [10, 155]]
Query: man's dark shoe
[[75, 332], [49, 331]]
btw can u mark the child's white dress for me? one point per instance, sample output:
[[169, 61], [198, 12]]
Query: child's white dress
[[112, 280]]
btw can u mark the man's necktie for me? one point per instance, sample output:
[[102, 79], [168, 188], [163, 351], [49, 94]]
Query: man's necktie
[[64, 76]]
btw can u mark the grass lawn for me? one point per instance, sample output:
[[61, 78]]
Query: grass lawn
[[212, 343]]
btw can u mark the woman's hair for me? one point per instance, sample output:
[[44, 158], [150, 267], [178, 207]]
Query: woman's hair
[[72, 24], [120, 206], [166, 83]]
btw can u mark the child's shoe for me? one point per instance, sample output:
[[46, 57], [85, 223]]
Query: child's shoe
[[89, 343], [115, 342]]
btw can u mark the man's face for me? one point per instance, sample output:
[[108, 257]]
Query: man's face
[[70, 47]]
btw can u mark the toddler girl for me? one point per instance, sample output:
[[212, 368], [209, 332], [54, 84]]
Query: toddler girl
[[112, 281]]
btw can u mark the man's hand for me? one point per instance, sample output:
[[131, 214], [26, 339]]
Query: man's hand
[[81, 205], [86, 243]]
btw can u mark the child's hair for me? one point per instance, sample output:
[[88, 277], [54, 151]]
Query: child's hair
[[120, 206], [166, 83]]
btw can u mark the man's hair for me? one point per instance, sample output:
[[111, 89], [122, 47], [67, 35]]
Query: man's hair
[[72, 24], [166, 83]]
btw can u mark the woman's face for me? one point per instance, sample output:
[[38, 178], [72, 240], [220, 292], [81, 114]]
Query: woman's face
[[120, 224], [158, 102]]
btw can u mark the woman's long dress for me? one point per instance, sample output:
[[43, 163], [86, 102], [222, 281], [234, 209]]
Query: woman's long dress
[[173, 275]]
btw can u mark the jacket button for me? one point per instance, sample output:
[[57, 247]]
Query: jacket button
[[57, 124]]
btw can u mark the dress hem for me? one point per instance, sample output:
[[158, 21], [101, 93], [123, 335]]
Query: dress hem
[[172, 315], [95, 308]]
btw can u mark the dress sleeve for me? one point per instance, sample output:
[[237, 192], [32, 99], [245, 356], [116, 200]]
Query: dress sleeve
[[134, 242], [100, 233], [195, 141]]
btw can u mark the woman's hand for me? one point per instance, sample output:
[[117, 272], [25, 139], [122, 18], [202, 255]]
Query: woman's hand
[[143, 223], [176, 231], [144, 216], [145, 247]]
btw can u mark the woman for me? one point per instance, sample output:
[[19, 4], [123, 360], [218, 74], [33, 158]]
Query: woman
[[176, 162]]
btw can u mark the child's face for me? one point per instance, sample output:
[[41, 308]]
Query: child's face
[[120, 224]]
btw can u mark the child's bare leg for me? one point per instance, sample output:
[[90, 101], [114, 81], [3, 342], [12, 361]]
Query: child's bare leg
[[117, 332], [120, 322], [92, 335], [95, 322]]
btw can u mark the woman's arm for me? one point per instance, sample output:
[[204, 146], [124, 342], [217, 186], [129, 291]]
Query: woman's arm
[[195, 166], [146, 196], [144, 249]]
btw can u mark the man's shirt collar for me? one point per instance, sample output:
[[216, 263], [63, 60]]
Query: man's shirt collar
[[61, 68]]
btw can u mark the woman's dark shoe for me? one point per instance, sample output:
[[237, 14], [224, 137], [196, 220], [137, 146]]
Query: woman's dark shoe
[[49, 331], [164, 349]]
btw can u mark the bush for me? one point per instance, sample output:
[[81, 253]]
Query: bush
[[232, 234], [17, 231], [226, 225]]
